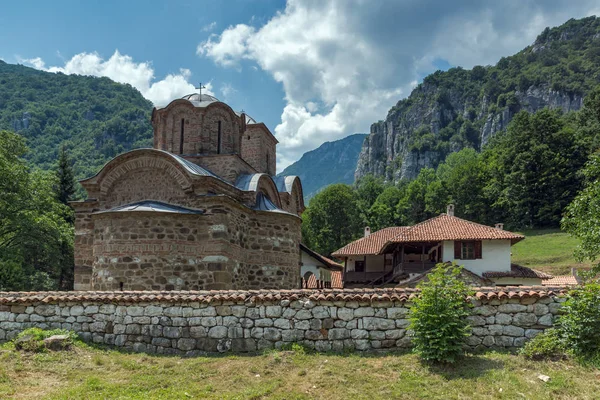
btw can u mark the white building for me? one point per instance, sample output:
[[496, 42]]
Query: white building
[[404, 254]]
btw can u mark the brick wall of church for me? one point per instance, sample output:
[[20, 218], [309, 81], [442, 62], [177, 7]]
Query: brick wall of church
[[230, 247], [255, 146], [226, 166]]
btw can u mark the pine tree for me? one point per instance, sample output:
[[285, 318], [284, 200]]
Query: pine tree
[[66, 177]]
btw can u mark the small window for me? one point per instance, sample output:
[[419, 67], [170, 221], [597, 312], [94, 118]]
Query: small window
[[359, 266], [468, 251]]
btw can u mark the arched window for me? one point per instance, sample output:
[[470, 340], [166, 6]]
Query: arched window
[[181, 135], [219, 137]]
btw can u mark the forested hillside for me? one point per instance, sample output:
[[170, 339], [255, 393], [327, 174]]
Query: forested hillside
[[463, 108], [332, 162], [95, 118], [526, 177]]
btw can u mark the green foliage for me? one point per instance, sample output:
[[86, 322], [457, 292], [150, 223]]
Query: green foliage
[[32, 339], [93, 118], [582, 216], [438, 315], [66, 177], [332, 219], [36, 240], [579, 323], [545, 346]]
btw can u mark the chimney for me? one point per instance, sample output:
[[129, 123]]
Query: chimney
[[500, 226], [367, 231], [450, 210]]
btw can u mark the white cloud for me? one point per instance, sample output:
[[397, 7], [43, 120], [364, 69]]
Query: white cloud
[[227, 90], [343, 64], [122, 68], [209, 27]]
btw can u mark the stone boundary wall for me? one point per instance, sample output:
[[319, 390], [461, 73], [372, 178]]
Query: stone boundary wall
[[193, 323]]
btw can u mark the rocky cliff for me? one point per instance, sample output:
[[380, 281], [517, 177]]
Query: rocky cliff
[[332, 162], [463, 108]]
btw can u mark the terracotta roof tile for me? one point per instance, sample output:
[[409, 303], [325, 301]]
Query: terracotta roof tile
[[265, 295], [336, 280], [447, 227], [562, 280], [517, 271], [372, 244]]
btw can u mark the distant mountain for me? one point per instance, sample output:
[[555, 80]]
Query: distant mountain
[[332, 162], [462, 108], [95, 118]]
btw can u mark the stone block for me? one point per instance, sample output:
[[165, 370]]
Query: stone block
[[485, 310], [359, 334], [374, 323], [198, 332], [246, 322], [316, 324], [208, 321], [314, 335], [173, 312], [223, 310], [321, 312], [186, 344], [89, 310], [345, 314], [235, 332], [364, 312], [292, 335], [495, 330], [217, 332], [489, 341], [397, 312], [135, 311], [303, 314], [338, 334], [546, 320], [282, 323], [503, 319], [531, 333], [264, 322], [273, 311], [272, 334], [243, 345], [76, 310], [230, 321], [540, 309], [511, 308], [205, 312], [511, 330], [173, 332], [376, 335], [107, 309], [475, 320], [504, 341], [47, 310], [524, 319], [473, 340]]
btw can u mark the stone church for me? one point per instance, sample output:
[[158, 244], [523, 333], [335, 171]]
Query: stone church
[[201, 210]]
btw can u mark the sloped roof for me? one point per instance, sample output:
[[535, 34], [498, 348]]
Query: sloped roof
[[447, 227], [372, 244], [467, 276], [152, 206], [329, 264], [517, 271], [562, 280]]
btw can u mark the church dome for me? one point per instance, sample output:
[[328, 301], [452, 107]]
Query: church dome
[[200, 100]]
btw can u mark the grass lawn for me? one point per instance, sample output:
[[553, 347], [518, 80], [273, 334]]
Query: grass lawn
[[88, 373], [548, 250]]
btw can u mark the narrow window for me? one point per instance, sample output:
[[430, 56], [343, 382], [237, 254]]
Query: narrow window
[[121, 286], [181, 137], [219, 138]]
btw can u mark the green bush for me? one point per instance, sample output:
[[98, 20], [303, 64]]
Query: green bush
[[438, 315], [579, 325], [547, 345]]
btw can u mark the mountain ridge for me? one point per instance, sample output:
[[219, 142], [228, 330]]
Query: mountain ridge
[[461, 108]]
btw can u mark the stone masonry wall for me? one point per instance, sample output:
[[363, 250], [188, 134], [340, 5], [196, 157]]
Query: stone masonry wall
[[192, 323]]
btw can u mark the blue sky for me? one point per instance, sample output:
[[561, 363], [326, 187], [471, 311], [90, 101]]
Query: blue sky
[[312, 70]]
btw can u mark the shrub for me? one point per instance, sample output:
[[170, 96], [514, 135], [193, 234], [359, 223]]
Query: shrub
[[438, 315], [579, 326], [547, 345]]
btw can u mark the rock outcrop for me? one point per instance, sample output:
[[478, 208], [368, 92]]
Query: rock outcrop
[[465, 108]]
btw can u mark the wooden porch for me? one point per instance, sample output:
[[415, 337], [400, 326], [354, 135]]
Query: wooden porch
[[400, 261]]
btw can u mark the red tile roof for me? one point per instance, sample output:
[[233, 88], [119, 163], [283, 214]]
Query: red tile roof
[[373, 244], [562, 280], [447, 227], [517, 271], [336, 280], [257, 296]]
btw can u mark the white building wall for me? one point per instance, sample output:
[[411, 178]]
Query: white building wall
[[310, 264], [495, 256], [374, 262]]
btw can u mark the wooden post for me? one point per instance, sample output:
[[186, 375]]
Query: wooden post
[[423, 257], [402, 257], [344, 272], [365, 268]]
